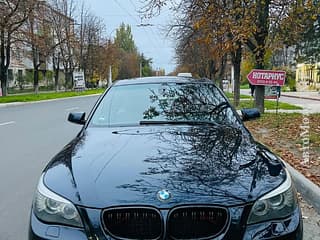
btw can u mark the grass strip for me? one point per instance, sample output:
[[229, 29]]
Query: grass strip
[[242, 96], [46, 96], [269, 105]]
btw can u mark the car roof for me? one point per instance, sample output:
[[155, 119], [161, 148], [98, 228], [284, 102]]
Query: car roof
[[162, 79]]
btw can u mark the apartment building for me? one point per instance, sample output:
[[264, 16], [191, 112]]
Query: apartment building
[[20, 73]]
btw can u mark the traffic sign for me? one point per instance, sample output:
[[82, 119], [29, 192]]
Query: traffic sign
[[267, 77], [78, 79]]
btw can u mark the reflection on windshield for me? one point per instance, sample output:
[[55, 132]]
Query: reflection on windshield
[[130, 104]]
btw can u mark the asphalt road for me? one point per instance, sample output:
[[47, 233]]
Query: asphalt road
[[312, 105], [30, 135]]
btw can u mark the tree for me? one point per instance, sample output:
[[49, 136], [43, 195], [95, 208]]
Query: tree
[[129, 59], [63, 24], [146, 68], [38, 37], [13, 15], [274, 22], [206, 38], [112, 58], [257, 25], [124, 39], [62, 44], [309, 47], [129, 65], [91, 47]]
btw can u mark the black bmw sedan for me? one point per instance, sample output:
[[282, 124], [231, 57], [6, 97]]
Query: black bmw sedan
[[165, 158]]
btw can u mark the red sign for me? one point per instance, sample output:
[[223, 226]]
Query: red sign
[[267, 77]]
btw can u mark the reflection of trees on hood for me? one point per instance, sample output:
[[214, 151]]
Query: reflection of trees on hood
[[204, 161], [197, 155], [200, 159], [196, 160], [196, 102]]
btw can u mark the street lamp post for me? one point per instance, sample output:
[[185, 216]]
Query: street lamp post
[[110, 77], [110, 67], [140, 68]]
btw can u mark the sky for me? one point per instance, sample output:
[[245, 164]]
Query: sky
[[150, 40]]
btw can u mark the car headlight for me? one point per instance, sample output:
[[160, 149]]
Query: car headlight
[[279, 203], [51, 208]]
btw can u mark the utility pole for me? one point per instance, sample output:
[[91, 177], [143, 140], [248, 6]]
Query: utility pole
[[140, 69], [232, 78], [110, 77]]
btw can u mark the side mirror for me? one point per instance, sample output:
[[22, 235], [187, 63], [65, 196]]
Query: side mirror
[[78, 118], [249, 114]]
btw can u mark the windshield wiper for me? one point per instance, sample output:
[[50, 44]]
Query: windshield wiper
[[179, 122]]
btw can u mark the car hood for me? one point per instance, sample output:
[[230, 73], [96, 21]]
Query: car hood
[[209, 164]]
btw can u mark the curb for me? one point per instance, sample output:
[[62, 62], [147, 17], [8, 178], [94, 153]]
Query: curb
[[4, 105], [301, 111], [292, 96], [299, 97], [285, 111], [309, 191]]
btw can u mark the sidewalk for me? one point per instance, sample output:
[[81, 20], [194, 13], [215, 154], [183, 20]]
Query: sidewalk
[[304, 95], [302, 111]]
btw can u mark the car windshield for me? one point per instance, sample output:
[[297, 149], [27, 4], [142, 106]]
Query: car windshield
[[133, 104]]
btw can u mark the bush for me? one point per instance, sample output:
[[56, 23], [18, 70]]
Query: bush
[[291, 80]]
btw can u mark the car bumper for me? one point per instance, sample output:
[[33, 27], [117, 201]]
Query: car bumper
[[285, 229], [42, 231]]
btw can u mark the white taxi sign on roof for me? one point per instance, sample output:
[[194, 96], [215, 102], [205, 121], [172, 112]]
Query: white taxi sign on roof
[[184, 75]]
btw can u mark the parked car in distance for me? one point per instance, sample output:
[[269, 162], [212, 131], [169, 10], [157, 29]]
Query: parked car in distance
[[165, 158]]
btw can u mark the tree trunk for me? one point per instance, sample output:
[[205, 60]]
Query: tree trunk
[[45, 79], [222, 71], [211, 70], [35, 55], [4, 79], [3, 76], [56, 80], [36, 66], [36, 80], [236, 61], [71, 78], [263, 8], [259, 90], [3, 68], [56, 69], [67, 79]]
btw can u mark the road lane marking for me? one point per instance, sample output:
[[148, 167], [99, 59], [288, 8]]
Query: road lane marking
[[72, 109], [7, 123]]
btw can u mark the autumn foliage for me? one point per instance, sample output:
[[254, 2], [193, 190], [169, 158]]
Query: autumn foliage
[[285, 134], [209, 33]]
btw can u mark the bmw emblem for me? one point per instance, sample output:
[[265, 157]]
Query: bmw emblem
[[164, 195]]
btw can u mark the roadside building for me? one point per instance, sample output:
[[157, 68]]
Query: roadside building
[[308, 76], [20, 72]]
